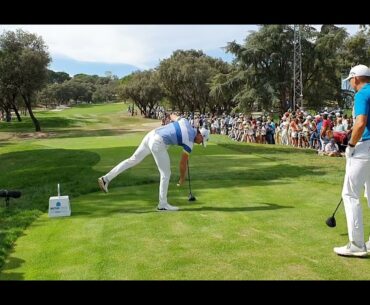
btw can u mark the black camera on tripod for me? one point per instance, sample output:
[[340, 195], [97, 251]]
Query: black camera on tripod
[[9, 194]]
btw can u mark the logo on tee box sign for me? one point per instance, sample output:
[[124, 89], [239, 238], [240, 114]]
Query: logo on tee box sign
[[59, 206]]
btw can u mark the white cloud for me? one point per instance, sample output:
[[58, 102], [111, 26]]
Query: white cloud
[[352, 29], [138, 45], [142, 46]]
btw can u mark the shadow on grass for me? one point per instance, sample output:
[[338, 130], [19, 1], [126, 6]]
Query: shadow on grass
[[13, 263], [141, 198], [267, 152], [267, 207], [76, 133], [36, 174], [52, 122], [64, 127], [5, 143], [265, 149], [48, 124], [98, 209]]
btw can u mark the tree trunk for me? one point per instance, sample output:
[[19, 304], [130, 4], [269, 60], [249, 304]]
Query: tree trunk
[[17, 114], [27, 101], [15, 108], [8, 116]]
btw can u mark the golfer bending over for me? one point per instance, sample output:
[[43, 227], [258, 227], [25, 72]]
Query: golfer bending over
[[178, 132]]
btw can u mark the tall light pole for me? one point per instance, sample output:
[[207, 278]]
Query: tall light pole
[[297, 68]]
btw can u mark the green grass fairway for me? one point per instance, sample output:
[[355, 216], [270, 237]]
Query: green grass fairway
[[260, 211]]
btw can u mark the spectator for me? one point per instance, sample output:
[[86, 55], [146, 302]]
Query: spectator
[[332, 149]]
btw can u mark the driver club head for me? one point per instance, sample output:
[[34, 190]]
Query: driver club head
[[331, 222], [191, 197]]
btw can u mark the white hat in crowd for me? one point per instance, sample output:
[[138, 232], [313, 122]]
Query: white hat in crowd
[[359, 70], [205, 135]]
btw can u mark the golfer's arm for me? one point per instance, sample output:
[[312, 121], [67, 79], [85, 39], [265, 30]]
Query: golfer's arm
[[183, 164], [358, 129]]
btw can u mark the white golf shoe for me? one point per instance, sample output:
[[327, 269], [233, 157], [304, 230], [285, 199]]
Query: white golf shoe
[[368, 246], [103, 184], [351, 250], [166, 207]]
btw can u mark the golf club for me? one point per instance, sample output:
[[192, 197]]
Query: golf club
[[191, 196], [331, 220]]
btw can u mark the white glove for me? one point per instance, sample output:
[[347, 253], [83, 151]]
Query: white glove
[[349, 151]]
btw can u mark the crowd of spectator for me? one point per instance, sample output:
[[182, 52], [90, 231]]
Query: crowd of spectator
[[327, 132]]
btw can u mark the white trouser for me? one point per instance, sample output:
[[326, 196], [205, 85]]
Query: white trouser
[[284, 137], [357, 175], [323, 143], [152, 143]]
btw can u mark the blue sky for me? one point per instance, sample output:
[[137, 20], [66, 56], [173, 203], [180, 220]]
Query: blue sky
[[121, 49]]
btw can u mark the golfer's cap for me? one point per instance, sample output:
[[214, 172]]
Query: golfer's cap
[[359, 70], [205, 135]]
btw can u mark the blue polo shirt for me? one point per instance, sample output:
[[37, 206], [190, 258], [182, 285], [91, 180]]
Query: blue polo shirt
[[178, 133], [362, 107]]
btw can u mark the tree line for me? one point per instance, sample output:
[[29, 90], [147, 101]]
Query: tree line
[[259, 77], [62, 89]]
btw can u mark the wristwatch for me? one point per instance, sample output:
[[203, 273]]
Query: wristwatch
[[351, 145]]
